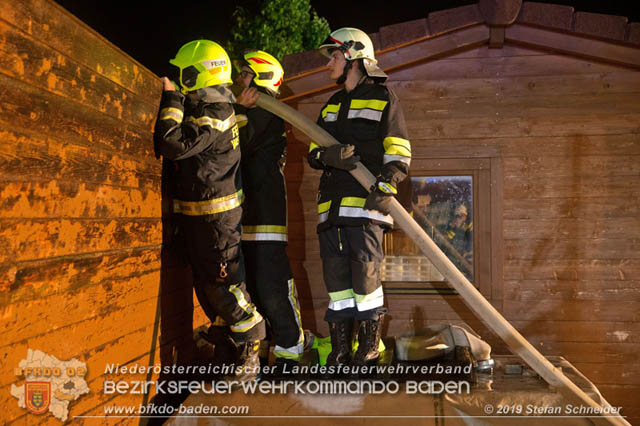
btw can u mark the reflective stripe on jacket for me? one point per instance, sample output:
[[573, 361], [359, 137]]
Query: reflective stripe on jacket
[[263, 144], [370, 118], [201, 138]]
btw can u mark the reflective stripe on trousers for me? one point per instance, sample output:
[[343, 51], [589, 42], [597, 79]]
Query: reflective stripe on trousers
[[216, 205], [294, 352]]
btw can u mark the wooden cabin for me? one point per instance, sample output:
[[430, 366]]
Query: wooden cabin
[[536, 105]]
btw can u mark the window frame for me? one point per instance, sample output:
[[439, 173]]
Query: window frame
[[487, 224]]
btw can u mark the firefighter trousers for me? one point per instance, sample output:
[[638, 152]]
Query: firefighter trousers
[[271, 286], [213, 249], [351, 257]]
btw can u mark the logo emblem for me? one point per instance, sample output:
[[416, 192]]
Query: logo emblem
[[38, 396]]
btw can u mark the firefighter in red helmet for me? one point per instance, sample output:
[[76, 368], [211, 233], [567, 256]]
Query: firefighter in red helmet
[[264, 224]]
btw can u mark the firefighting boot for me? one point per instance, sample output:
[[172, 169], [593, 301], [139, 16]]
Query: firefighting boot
[[368, 342], [247, 363], [224, 349], [341, 337]]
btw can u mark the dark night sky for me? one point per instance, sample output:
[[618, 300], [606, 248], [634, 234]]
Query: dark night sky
[[152, 32]]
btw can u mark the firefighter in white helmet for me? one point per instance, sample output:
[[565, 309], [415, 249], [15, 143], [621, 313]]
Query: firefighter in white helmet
[[365, 117], [198, 134], [264, 224]]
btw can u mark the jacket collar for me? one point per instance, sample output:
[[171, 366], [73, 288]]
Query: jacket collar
[[218, 93]]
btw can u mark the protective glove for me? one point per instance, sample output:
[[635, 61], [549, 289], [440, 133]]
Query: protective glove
[[380, 198], [340, 156]]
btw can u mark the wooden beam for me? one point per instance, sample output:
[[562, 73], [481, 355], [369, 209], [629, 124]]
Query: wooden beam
[[574, 44], [496, 38], [401, 56]]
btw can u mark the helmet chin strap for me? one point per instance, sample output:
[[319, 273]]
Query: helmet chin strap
[[345, 70]]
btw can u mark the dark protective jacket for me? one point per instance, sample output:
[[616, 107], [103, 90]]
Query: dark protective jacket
[[202, 139], [369, 117], [263, 143]]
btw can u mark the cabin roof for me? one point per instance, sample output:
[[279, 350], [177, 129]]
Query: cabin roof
[[527, 24]]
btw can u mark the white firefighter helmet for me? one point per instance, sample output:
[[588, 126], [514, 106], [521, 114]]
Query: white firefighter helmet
[[354, 44]]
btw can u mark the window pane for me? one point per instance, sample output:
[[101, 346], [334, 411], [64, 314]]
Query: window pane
[[443, 207]]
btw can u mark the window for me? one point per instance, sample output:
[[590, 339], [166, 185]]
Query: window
[[458, 203], [443, 207]]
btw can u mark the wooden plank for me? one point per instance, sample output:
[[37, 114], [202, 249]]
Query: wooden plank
[[549, 126], [34, 239], [67, 342], [53, 72], [427, 308], [25, 157], [616, 353], [547, 146], [396, 58], [497, 232], [574, 44], [573, 228], [625, 396], [81, 337], [541, 331], [536, 290], [582, 311], [483, 278], [522, 106], [578, 207], [101, 301], [81, 199], [504, 87], [30, 280], [572, 248], [66, 34], [445, 165], [506, 51], [52, 115], [610, 374], [553, 188], [572, 269], [573, 166], [448, 69], [91, 302]]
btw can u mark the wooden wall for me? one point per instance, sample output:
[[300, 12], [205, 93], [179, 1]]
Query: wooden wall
[[81, 222], [81, 271], [566, 134]]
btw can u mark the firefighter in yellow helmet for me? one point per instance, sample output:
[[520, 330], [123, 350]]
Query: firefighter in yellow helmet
[[199, 135], [264, 224], [365, 117]]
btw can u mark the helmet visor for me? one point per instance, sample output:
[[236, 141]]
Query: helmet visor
[[189, 76]]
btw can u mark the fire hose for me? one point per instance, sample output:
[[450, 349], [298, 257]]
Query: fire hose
[[470, 295]]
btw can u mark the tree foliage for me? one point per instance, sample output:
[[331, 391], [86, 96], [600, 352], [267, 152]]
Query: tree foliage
[[280, 27]]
